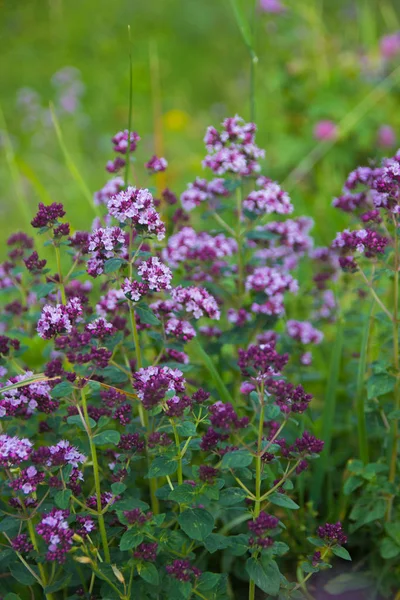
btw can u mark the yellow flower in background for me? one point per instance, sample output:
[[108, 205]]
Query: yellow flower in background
[[176, 120]]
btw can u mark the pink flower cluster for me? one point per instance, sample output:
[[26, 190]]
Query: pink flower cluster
[[14, 450], [59, 319], [156, 165], [152, 384], [56, 532], [155, 277], [137, 205], [273, 283], [303, 332], [201, 191], [234, 149], [24, 400], [112, 187], [188, 245], [270, 199], [104, 244], [197, 301]]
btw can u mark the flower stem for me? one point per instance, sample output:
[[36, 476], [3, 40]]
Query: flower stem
[[62, 287], [257, 502], [375, 295], [178, 449], [238, 236], [96, 474], [394, 433]]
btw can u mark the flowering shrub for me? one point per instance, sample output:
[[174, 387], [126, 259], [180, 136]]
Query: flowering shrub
[[150, 442]]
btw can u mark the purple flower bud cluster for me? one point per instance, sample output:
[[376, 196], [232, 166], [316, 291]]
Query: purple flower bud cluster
[[234, 149], [121, 141], [261, 527], [152, 384], [47, 216], [34, 264], [137, 206], [21, 544], [288, 397], [182, 570], [8, 344], [110, 189], [146, 552], [273, 283], [332, 533], [223, 416], [137, 517], [27, 481], [261, 361]]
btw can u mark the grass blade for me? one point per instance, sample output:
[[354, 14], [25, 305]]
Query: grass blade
[[13, 166], [73, 169], [209, 365], [328, 414]]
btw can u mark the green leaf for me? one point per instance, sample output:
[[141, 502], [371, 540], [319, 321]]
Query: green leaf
[[113, 264], [110, 436], [389, 549], [65, 388], [118, 488], [341, 552], [76, 420], [43, 289], [162, 466], [232, 496], [238, 544], [346, 583], [21, 573], [280, 548], [197, 523], [351, 484], [62, 498], [210, 366], [282, 500], [266, 576], [216, 541], [58, 585], [113, 375], [236, 459], [208, 581], [12, 596], [146, 315], [130, 539], [183, 494], [186, 429], [149, 573], [380, 384]]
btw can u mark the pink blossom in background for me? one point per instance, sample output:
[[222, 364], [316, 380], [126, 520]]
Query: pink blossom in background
[[386, 136], [272, 6], [325, 130], [390, 45]]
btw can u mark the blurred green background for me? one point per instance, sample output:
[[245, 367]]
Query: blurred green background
[[316, 60]]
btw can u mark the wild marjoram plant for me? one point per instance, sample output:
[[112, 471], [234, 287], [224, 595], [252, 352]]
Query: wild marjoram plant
[[142, 455]]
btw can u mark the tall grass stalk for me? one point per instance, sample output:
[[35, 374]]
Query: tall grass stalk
[[360, 394]]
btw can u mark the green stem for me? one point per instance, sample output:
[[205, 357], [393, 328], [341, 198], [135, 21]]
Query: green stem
[[128, 149], [239, 193], [59, 270], [394, 433], [257, 502], [178, 449], [375, 295], [96, 475], [209, 364], [361, 422]]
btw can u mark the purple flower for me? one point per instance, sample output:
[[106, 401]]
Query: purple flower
[[86, 525], [196, 301], [364, 241], [179, 329], [390, 45], [288, 397], [261, 361], [63, 453], [386, 134], [104, 244], [332, 533], [152, 384], [270, 199], [111, 188], [207, 473], [131, 442], [188, 245], [182, 570], [155, 274], [47, 216], [27, 480], [120, 141], [156, 165], [146, 552], [234, 149], [222, 415], [56, 532], [100, 328], [21, 544], [34, 264], [272, 6], [23, 401], [303, 332], [58, 319], [14, 450], [325, 130], [201, 191], [137, 205]]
